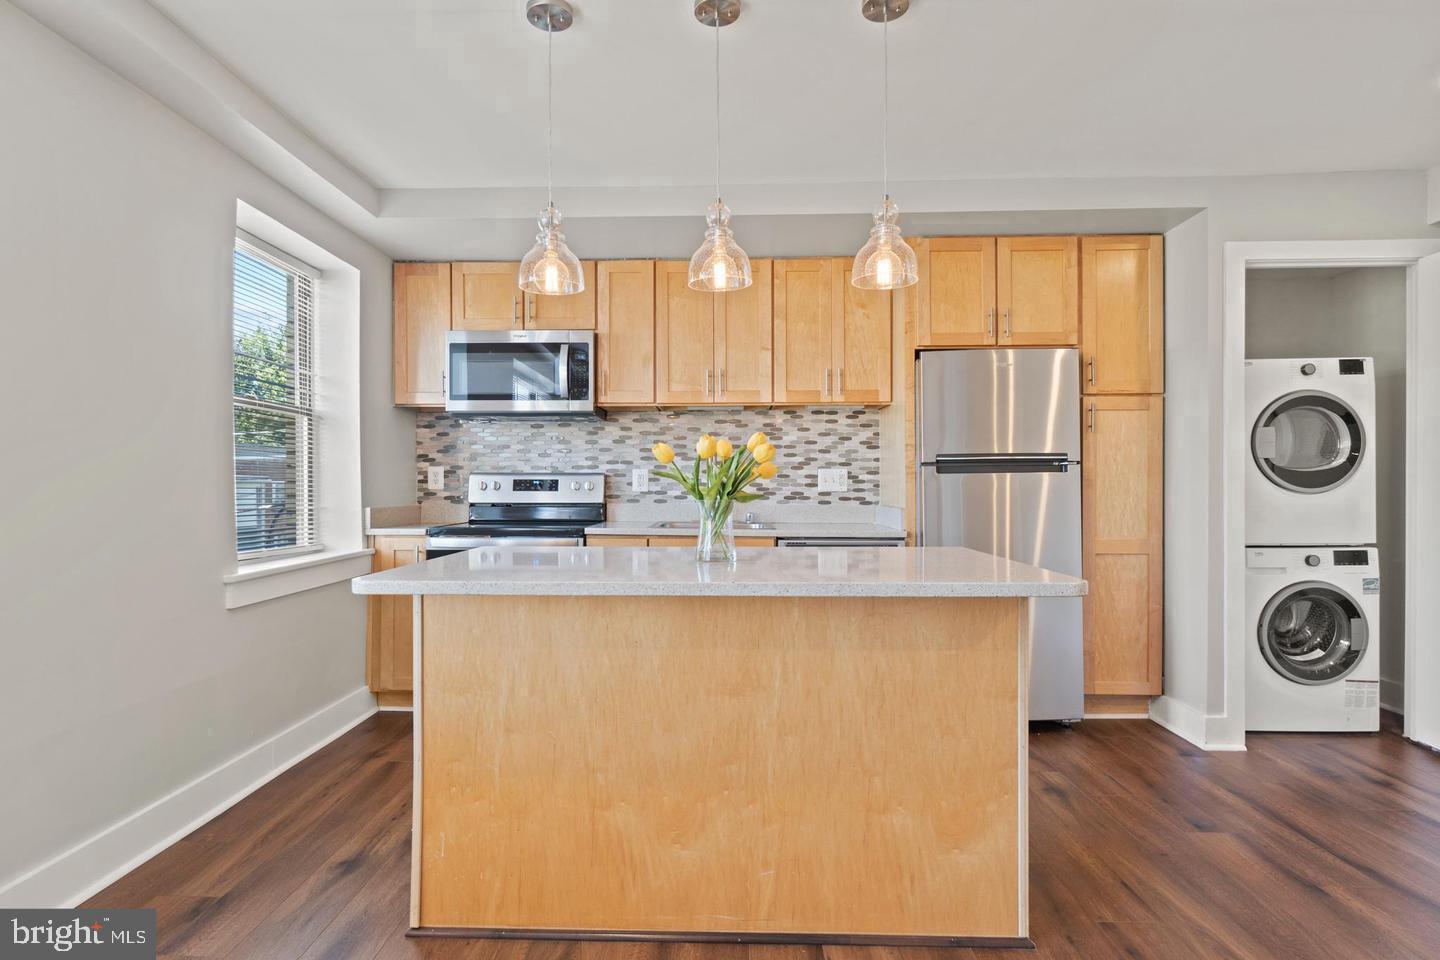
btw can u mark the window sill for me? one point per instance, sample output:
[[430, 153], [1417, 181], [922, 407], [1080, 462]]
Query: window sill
[[258, 582]]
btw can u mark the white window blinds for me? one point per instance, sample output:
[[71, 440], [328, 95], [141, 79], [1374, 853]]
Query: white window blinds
[[274, 405]]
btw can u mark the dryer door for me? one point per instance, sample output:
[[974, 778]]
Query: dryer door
[[1313, 633], [1308, 442]]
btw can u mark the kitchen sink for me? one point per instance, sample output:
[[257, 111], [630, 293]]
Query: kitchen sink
[[695, 525]]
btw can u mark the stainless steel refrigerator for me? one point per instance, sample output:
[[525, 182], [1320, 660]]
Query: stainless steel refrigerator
[[998, 439]]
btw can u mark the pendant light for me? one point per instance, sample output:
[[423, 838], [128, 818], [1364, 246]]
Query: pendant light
[[886, 262], [550, 269], [719, 265]]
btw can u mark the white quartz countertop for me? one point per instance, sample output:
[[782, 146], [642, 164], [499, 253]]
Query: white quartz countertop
[[779, 530], [759, 572]]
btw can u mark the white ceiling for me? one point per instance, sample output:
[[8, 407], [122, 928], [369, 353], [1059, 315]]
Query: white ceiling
[[450, 93]]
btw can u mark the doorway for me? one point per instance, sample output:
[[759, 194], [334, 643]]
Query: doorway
[[1354, 312], [1419, 263]]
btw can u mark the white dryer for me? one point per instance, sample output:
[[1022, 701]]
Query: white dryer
[[1312, 658], [1310, 469]]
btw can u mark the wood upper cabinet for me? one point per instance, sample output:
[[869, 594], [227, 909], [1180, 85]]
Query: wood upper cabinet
[[422, 318], [1037, 290], [486, 296], [1122, 322], [711, 348], [957, 292], [625, 331], [863, 340], [1123, 516], [832, 340], [389, 647], [685, 322], [743, 332], [574, 311], [808, 299]]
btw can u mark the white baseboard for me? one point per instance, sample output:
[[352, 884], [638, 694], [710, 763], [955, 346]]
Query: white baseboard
[[93, 864], [1392, 695], [1187, 723]]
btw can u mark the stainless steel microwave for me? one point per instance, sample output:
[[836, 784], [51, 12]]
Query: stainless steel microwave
[[520, 372]]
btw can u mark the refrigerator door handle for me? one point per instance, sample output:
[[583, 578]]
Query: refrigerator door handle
[[950, 463]]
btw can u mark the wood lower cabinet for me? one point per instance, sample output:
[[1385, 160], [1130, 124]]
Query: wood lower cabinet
[[389, 630], [1123, 516], [1037, 291], [956, 298], [1122, 319], [422, 318], [625, 332]]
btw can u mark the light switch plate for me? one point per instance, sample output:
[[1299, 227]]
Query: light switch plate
[[435, 478], [834, 480], [640, 480]]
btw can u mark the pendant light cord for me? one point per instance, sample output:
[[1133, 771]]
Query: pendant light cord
[[717, 99], [549, 111], [885, 134]]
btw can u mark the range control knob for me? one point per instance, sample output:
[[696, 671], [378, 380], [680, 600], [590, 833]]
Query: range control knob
[[1312, 560], [483, 485], [1308, 369], [574, 484], [589, 484]]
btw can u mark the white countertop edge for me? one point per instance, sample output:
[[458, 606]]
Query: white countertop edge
[[622, 588], [396, 531], [780, 530]]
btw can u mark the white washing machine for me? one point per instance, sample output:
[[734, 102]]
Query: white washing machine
[[1310, 472], [1312, 656]]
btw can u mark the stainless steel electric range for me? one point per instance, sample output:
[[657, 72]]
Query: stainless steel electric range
[[524, 509]]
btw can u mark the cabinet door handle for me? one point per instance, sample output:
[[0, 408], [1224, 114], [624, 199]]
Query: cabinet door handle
[[444, 385], [530, 307], [1091, 364], [1007, 323], [839, 382], [826, 393], [990, 322], [1092, 416], [722, 381], [708, 392], [515, 309]]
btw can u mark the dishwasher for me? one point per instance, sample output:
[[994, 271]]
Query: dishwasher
[[842, 542]]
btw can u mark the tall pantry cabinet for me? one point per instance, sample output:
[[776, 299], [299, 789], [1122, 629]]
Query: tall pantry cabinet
[[1123, 382]]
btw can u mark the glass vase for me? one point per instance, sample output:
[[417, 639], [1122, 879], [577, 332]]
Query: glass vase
[[715, 541]]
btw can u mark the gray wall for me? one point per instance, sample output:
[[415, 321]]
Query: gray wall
[[125, 676], [1352, 312]]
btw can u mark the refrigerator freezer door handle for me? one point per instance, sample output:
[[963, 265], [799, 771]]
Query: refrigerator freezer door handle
[[949, 463]]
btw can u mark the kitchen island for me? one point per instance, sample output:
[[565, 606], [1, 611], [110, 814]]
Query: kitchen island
[[807, 746]]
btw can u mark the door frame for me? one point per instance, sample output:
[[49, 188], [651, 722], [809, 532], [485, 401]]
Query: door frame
[[1239, 258]]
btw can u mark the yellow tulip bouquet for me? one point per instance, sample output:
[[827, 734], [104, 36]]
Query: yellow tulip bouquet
[[719, 479]]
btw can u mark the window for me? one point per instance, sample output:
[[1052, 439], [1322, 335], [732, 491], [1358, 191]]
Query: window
[[274, 407]]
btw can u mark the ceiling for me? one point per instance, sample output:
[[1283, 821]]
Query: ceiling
[[430, 94]]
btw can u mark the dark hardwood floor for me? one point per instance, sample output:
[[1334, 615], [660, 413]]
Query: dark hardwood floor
[[1142, 846]]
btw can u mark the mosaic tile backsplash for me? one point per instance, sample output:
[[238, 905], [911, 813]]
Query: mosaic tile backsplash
[[807, 438]]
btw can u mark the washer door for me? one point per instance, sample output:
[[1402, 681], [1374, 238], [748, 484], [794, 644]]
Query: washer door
[[1308, 442], [1313, 633]]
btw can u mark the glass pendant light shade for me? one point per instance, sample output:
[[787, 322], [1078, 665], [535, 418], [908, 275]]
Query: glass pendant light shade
[[550, 269], [720, 265], [886, 262]]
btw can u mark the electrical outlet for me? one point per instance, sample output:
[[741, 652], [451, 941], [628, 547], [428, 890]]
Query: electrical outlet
[[435, 478], [833, 480], [640, 480]]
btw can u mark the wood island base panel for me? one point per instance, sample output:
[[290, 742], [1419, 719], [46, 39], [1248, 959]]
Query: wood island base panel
[[783, 769]]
